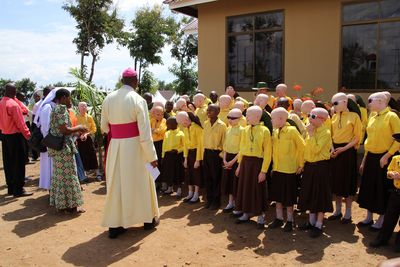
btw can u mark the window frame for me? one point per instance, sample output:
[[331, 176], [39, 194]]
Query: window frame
[[363, 22], [253, 33]]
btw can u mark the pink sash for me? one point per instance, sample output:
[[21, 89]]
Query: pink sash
[[123, 131]]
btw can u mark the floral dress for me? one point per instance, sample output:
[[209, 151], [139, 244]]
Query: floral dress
[[65, 189]]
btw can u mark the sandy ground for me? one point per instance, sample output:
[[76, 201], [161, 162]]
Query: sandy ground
[[33, 234]]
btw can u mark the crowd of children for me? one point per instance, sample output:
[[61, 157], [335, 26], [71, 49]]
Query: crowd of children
[[291, 153]]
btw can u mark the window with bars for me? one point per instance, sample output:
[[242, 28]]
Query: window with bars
[[255, 50], [371, 45]]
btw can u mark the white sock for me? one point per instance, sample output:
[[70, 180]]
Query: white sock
[[244, 217], [229, 206], [169, 190], [368, 218], [347, 215], [164, 186], [338, 208], [236, 212], [379, 222], [313, 218], [318, 225], [260, 219], [289, 216], [190, 195], [179, 191], [195, 196], [279, 214]]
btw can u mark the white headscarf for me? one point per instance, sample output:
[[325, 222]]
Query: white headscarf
[[48, 99]]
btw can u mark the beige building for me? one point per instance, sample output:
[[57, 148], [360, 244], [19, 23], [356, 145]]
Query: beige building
[[313, 43]]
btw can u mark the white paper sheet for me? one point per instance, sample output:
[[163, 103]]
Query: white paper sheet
[[154, 172]]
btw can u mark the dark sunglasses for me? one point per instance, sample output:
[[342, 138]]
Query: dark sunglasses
[[313, 116], [232, 118], [371, 100]]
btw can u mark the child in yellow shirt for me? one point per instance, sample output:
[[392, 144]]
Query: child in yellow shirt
[[158, 128], [172, 155]]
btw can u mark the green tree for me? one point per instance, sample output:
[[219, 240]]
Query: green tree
[[25, 86], [151, 30], [98, 25], [3, 83], [63, 84], [184, 50], [148, 83]]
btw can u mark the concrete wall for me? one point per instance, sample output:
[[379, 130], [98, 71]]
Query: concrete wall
[[312, 42]]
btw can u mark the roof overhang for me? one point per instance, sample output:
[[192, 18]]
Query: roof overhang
[[187, 7]]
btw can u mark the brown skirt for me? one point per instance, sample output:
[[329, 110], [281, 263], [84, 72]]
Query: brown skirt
[[315, 192], [283, 188], [251, 195], [229, 180], [158, 148], [172, 168], [344, 172], [193, 176], [88, 154], [374, 187]]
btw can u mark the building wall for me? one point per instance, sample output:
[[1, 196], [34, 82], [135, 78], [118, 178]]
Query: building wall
[[312, 42]]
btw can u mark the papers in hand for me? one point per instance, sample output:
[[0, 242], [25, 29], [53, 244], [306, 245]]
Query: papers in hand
[[154, 172]]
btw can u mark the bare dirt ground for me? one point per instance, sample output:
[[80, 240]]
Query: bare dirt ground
[[33, 234]]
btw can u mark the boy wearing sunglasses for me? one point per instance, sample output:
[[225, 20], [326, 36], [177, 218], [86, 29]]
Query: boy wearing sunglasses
[[315, 192], [346, 135]]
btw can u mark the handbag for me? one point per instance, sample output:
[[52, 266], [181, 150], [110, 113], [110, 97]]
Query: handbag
[[35, 141], [53, 142]]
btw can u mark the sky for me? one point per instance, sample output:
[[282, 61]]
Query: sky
[[36, 42]]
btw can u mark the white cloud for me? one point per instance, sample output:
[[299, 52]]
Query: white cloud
[[131, 5]]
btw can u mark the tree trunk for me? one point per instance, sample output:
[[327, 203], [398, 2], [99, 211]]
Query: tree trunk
[[140, 71], [92, 68], [136, 63], [82, 63]]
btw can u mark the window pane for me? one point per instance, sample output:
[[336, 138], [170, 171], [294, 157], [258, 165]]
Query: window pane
[[269, 58], [240, 24], [390, 9], [240, 61], [361, 11], [270, 20], [389, 56], [359, 56]]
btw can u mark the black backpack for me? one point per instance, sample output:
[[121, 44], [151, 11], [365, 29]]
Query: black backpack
[[35, 141]]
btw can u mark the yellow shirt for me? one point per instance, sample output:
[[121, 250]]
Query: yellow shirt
[[173, 140], [394, 166], [287, 149], [232, 139], [245, 102], [271, 101], [158, 129], [255, 141], [364, 121], [208, 101], [318, 146], [172, 114], [202, 114], [381, 126], [87, 121], [194, 140], [214, 135], [345, 127], [223, 114], [243, 121], [299, 123]]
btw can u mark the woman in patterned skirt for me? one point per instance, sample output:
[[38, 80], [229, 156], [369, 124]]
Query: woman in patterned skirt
[[65, 193]]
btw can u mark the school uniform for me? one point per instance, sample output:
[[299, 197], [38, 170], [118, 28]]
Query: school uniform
[[315, 192], [160, 127], [193, 151], [243, 121], [393, 209], [223, 115], [364, 122], [214, 136], [231, 147], [86, 148], [201, 113], [287, 153], [254, 157], [172, 157], [373, 194], [299, 123], [345, 127]]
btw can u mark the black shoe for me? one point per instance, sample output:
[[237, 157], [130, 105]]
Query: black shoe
[[306, 226], [363, 224], [374, 229], [152, 225], [237, 215], [215, 206], [315, 232], [288, 227], [335, 217], [260, 226], [185, 200], [9, 192], [194, 202], [378, 242], [227, 210], [239, 221], [115, 232], [207, 205], [275, 224], [346, 221], [23, 194]]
